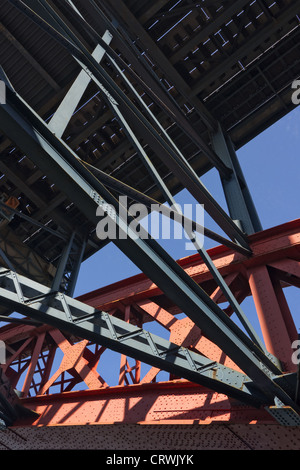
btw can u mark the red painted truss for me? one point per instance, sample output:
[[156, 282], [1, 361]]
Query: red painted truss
[[69, 381]]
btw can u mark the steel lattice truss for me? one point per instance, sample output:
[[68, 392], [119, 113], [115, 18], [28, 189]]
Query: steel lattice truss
[[160, 116]]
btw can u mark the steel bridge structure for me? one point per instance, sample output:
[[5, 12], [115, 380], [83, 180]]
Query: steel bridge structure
[[139, 99]]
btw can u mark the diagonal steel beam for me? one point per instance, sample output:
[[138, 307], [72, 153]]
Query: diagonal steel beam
[[67, 107], [194, 237], [191, 234], [126, 190], [237, 194]]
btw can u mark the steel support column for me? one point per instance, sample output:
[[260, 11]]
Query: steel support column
[[239, 201], [61, 269], [273, 325]]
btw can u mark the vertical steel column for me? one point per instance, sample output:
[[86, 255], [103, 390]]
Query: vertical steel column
[[285, 310], [273, 326], [238, 198], [75, 269], [257, 226], [69, 266], [61, 269], [123, 360]]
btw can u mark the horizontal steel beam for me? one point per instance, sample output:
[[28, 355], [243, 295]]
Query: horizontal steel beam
[[159, 402], [212, 27], [242, 51]]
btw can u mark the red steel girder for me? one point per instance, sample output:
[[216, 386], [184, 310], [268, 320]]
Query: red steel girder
[[177, 401], [274, 265], [158, 437]]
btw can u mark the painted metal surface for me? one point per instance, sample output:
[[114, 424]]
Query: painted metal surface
[[177, 401], [135, 437]]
